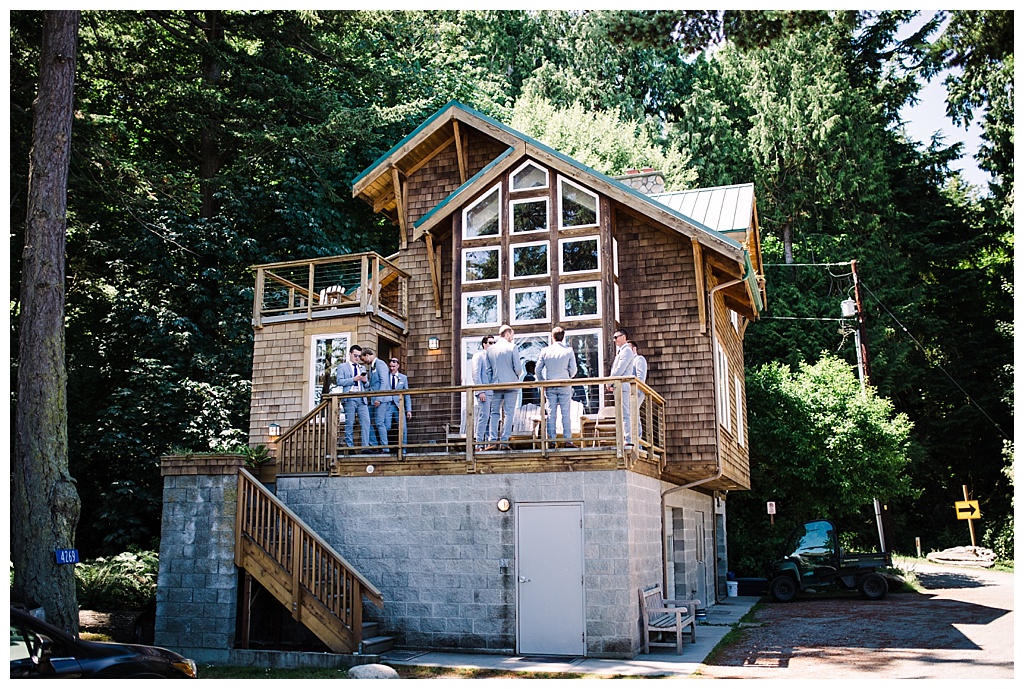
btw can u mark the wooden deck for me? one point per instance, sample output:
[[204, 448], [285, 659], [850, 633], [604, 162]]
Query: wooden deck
[[439, 444]]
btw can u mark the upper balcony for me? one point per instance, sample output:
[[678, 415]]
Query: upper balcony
[[354, 284]]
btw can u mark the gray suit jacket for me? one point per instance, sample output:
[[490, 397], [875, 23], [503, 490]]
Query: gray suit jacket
[[557, 361], [622, 365], [505, 366], [640, 368], [481, 369], [401, 383]]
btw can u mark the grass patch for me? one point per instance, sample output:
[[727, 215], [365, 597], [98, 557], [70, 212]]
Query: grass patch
[[734, 635]]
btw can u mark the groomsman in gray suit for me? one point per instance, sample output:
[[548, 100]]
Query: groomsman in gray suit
[[622, 365], [391, 405], [557, 361], [505, 368], [377, 376], [351, 377], [481, 371]]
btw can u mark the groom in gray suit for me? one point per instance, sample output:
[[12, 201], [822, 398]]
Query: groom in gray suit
[[505, 368]]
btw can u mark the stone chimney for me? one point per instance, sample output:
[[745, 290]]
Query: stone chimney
[[646, 181]]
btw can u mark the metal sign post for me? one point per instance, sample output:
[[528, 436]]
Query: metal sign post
[[968, 509]]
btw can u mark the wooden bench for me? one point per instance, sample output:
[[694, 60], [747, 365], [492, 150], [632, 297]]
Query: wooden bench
[[662, 616]]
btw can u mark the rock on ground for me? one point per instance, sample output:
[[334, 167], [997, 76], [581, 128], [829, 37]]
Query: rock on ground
[[372, 671]]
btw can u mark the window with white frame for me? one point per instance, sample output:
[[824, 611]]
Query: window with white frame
[[580, 300], [529, 215], [739, 411], [480, 264], [529, 176], [483, 218], [530, 260], [481, 309], [530, 305], [326, 351], [579, 255], [577, 207], [722, 387], [587, 346], [615, 256], [734, 318]]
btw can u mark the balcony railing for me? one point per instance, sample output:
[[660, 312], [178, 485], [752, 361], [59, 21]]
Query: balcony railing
[[443, 427], [338, 285]]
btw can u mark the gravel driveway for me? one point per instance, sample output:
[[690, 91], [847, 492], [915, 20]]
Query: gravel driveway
[[959, 627]]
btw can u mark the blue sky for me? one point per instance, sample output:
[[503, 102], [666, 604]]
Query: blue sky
[[929, 116]]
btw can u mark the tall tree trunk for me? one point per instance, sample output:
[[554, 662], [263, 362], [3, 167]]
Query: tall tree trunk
[[210, 159], [787, 240], [44, 502]]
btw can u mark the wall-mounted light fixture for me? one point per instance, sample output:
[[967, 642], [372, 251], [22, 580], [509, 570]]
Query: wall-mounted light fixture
[[274, 431], [433, 343]]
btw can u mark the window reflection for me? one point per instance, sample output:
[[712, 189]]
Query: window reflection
[[481, 264], [579, 255], [483, 219]]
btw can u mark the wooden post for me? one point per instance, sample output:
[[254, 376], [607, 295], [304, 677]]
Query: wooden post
[[246, 608], [970, 522]]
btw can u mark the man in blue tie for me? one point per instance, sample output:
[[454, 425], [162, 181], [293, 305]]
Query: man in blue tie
[[391, 405], [350, 378], [379, 379]]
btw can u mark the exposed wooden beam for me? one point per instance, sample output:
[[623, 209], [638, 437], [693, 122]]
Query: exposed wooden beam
[[698, 265], [399, 203], [383, 200], [435, 278], [460, 153], [430, 156]]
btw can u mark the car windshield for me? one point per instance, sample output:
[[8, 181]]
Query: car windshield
[[813, 538]]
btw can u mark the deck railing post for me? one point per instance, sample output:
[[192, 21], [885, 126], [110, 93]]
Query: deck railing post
[[364, 283], [471, 439], [309, 292], [257, 300]]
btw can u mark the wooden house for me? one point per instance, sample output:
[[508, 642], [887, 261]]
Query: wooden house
[[540, 549]]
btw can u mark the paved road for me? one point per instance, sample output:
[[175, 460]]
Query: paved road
[[959, 627]]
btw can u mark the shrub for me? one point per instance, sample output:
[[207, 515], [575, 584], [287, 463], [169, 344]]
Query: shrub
[[122, 582]]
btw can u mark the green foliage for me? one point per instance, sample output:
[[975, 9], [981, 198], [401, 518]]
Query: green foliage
[[820, 449], [126, 581], [599, 139]]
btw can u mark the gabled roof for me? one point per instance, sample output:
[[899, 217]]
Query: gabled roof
[[705, 215]]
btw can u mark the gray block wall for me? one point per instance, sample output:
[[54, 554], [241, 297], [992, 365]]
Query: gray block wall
[[197, 586], [443, 554]]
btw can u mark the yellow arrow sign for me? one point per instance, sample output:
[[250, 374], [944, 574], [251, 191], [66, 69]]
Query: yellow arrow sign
[[967, 509]]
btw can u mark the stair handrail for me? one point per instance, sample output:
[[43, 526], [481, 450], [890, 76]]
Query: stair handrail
[[286, 554]]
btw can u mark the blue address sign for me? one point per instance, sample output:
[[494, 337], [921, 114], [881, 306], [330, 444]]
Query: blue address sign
[[66, 557]]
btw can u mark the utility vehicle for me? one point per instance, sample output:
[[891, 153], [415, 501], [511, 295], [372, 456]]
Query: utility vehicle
[[814, 559]]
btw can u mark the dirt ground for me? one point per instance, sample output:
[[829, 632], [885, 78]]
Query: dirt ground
[[960, 626]]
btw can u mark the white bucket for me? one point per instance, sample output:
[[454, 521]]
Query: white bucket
[[732, 588]]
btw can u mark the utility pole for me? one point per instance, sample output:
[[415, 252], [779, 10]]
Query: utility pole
[[862, 332]]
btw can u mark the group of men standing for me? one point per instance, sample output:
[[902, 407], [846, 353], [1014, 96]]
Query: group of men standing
[[366, 372], [498, 362]]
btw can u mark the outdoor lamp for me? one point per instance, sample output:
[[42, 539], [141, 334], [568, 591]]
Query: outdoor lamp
[[274, 430], [433, 342]]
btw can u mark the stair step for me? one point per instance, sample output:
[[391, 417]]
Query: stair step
[[370, 629], [376, 645]]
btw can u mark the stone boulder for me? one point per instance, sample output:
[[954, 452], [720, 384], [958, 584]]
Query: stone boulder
[[372, 671]]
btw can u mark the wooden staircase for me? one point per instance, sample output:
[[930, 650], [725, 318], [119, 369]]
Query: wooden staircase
[[322, 591]]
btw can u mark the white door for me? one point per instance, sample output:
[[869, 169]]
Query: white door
[[549, 575], [700, 536]]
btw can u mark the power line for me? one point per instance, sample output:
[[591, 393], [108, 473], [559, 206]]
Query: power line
[[802, 265], [933, 362]]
